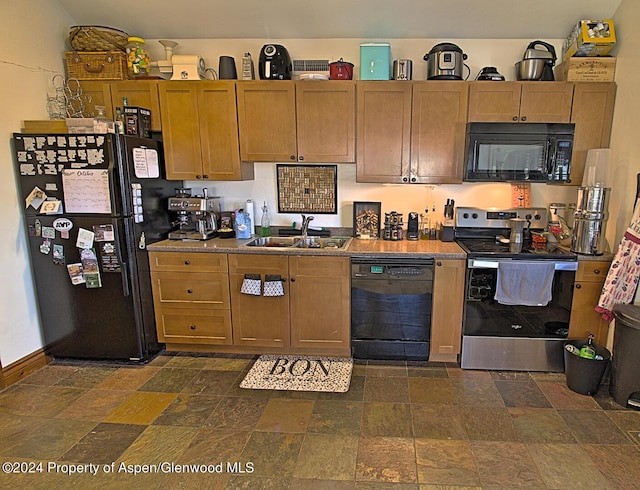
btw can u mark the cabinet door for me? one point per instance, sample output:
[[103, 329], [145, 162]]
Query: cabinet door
[[592, 112], [267, 121], [494, 101], [448, 304], [383, 131], [546, 102], [139, 93], [325, 121], [438, 130], [219, 132], [97, 93], [590, 278], [181, 130], [259, 320], [320, 303]]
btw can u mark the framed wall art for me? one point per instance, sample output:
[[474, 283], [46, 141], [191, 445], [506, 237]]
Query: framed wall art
[[307, 189]]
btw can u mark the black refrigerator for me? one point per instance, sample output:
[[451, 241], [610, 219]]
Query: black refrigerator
[[92, 203]]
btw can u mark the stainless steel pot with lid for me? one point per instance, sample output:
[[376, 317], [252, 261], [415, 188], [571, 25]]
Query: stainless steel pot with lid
[[445, 62]]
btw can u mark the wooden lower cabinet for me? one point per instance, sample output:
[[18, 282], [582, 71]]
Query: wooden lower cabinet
[[312, 316], [590, 278], [319, 303], [448, 304], [259, 321], [191, 298]]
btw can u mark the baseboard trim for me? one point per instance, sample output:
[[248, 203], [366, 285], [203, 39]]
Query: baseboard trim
[[22, 368]]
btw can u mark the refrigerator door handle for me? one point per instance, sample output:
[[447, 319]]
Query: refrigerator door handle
[[124, 271]]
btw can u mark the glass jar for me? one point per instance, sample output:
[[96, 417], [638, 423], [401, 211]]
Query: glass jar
[[137, 57]]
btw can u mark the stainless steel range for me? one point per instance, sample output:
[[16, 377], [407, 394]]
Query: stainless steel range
[[518, 292]]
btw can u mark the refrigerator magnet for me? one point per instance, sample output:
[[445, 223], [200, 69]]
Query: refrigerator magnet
[[63, 225], [85, 238], [53, 206], [103, 233], [76, 274], [48, 232], [38, 227], [58, 254], [35, 198], [45, 246]]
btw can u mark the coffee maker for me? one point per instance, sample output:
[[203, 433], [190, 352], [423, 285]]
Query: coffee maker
[[197, 216]]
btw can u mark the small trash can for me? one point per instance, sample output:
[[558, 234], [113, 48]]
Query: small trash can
[[625, 366], [585, 375]]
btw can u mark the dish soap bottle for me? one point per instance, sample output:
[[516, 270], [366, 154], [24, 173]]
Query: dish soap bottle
[[265, 224]]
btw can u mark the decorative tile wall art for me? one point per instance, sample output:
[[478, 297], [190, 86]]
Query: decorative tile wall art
[[307, 189]]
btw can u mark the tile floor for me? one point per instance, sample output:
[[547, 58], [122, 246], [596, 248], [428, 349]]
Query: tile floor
[[400, 426]]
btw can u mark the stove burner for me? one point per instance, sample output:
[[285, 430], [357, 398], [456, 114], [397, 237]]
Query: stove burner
[[483, 247]]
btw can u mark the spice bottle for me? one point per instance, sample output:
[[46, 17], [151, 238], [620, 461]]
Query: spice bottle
[[137, 57]]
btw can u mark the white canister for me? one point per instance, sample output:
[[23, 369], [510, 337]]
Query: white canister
[[248, 208]]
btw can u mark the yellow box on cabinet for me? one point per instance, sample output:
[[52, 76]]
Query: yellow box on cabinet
[[590, 38], [591, 69]]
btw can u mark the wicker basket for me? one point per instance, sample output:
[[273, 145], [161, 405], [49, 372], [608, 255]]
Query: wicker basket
[[97, 38], [100, 65]]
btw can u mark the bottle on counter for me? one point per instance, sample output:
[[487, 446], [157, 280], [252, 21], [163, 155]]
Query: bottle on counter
[[265, 222]]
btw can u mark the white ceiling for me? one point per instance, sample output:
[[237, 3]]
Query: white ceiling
[[326, 19]]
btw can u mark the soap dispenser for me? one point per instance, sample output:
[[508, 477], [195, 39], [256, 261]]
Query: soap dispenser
[[265, 222]]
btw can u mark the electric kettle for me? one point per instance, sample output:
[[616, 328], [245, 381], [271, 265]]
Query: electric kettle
[[445, 62]]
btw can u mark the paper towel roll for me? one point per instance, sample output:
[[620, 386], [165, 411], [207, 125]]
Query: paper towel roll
[[248, 208]]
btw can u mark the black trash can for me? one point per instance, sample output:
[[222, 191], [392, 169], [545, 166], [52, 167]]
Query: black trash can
[[625, 367], [585, 375]]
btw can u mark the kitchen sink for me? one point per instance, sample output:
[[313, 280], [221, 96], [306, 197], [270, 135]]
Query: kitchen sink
[[334, 243], [273, 241], [338, 243]]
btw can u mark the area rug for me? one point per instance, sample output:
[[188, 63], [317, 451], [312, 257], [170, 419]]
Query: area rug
[[299, 373]]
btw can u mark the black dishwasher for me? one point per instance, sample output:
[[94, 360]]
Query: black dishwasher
[[391, 305]]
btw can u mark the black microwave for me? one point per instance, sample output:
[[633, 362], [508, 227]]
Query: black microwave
[[522, 152]]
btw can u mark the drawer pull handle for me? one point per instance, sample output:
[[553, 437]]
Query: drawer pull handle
[[187, 262], [439, 264], [189, 291], [596, 271], [578, 286], [192, 327]]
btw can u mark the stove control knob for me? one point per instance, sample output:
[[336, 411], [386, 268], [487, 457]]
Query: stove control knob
[[537, 217], [527, 216], [474, 215], [465, 215]]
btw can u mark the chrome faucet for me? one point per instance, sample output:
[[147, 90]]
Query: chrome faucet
[[305, 225]]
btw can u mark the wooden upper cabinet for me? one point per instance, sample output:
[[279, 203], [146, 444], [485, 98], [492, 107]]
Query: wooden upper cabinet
[[383, 131], [139, 93], [438, 129], [325, 116], [592, 112], [200, 131], [95, 93], [520, 101], [181, 130], [267, 120], [219, 132]]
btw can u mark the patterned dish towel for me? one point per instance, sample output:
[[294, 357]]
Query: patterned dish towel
[[252, 284], [622, 279], [273, 285]]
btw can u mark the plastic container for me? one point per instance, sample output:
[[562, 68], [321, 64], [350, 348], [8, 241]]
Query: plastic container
[[138, 62], [585, 375], [625, 366], [596, 169]]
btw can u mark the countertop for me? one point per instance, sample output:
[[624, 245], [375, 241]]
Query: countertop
[[405, 248]]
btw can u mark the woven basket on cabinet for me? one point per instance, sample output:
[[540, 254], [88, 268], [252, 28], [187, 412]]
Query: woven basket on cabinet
[[97, 38]]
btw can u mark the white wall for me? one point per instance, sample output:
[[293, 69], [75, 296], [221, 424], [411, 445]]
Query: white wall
[[31, 53]]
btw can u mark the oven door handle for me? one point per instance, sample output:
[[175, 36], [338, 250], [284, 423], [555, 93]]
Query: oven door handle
[[493, 264]]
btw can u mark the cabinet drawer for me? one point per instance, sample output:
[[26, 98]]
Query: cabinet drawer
[[258, 264], [186, 289], [592, 271], [194, 326], [188, 261]]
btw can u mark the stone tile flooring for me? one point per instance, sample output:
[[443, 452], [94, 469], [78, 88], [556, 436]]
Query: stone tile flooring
[[182, 421]]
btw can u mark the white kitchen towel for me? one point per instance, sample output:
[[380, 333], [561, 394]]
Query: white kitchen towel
[[273, 285], [251, 284], [524, 283]]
